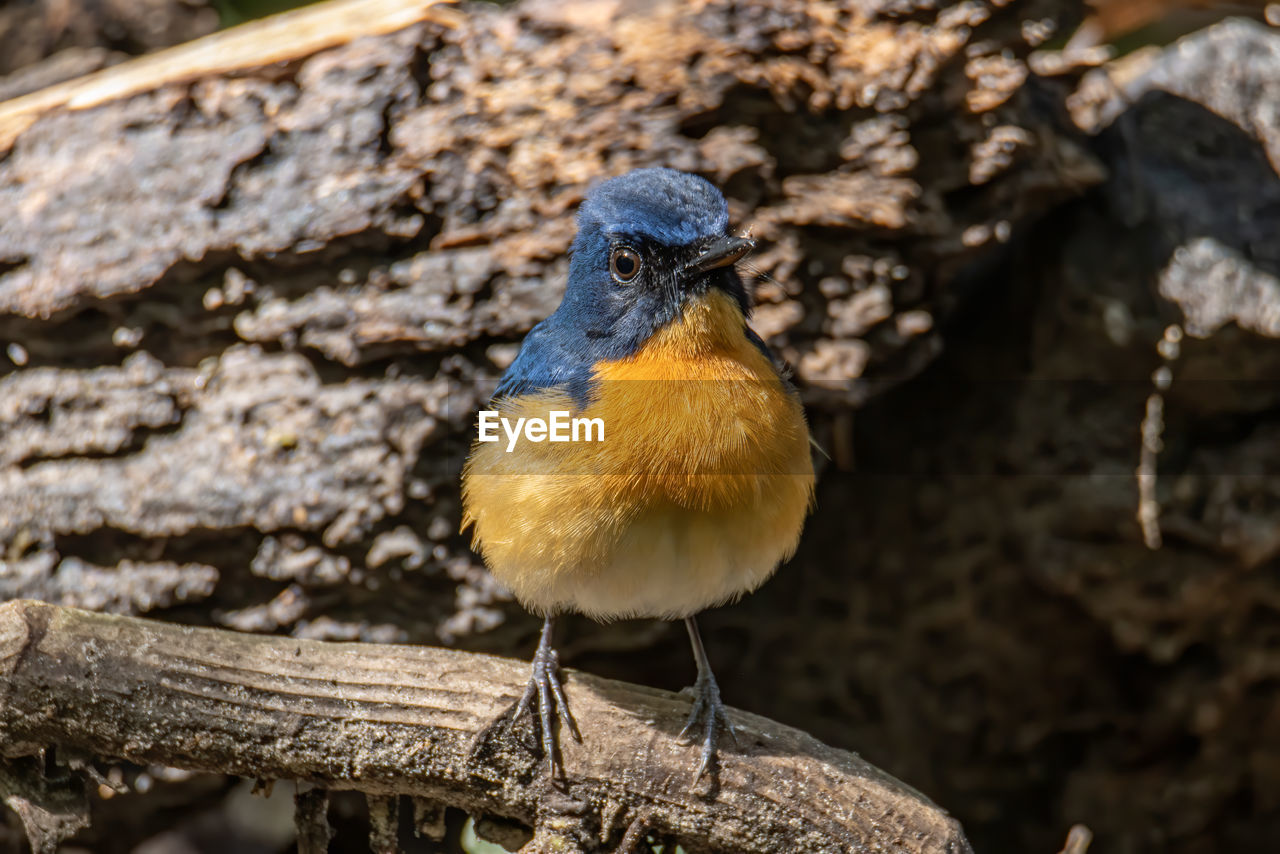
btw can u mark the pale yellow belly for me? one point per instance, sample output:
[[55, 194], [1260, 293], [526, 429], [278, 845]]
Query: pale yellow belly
[[699, 490], [663, 561], [611, 534]]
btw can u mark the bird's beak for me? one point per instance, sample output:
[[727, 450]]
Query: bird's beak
[[722, 253]]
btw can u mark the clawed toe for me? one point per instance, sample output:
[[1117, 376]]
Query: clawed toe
[[546, 691], [708, 718]]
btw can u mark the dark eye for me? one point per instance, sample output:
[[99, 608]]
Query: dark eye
[[624, 264]]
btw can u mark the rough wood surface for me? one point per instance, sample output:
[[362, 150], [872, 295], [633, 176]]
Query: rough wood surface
[[412, 720], [253, 47], [32, 30], [251, 297]]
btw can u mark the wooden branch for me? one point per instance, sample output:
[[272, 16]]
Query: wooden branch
[[415, 720]]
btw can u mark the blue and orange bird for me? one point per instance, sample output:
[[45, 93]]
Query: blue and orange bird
[[698, 488]]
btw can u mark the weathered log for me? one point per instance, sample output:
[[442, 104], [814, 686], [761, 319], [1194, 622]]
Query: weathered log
[[386, 189], [402, 720], [33, 30]]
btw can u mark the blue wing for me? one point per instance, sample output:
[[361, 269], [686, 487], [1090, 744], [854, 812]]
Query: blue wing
[[783, 369], [546, 361]]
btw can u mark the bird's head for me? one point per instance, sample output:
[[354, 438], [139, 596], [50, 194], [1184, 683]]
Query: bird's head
[[649, 242]]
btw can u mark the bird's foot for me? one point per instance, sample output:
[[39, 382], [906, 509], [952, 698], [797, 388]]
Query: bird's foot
[[707, 718], [547, 693]]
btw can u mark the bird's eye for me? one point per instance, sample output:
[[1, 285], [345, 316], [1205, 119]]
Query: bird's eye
[[624, 264]]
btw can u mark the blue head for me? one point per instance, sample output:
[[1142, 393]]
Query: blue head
[[647, 242]]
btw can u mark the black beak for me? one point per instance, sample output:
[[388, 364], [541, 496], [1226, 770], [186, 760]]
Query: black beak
[[722, 253]]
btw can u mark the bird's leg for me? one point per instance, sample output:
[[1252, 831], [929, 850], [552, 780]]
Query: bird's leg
[[708, 715], [545, 689]]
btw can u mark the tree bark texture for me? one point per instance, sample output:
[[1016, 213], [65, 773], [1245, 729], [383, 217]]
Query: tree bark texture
[[248, 312], [43, 42], [260, 305]]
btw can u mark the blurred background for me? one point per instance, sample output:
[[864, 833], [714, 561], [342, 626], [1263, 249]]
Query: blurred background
[[1021, 255]]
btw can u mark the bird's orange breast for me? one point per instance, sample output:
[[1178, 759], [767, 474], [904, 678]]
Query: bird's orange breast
[[696, 493]]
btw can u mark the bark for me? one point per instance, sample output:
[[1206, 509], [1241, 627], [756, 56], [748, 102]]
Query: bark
[[418, 721], [32, 30], [257, 285]]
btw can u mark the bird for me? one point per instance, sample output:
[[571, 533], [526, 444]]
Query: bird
[[698, 485]]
